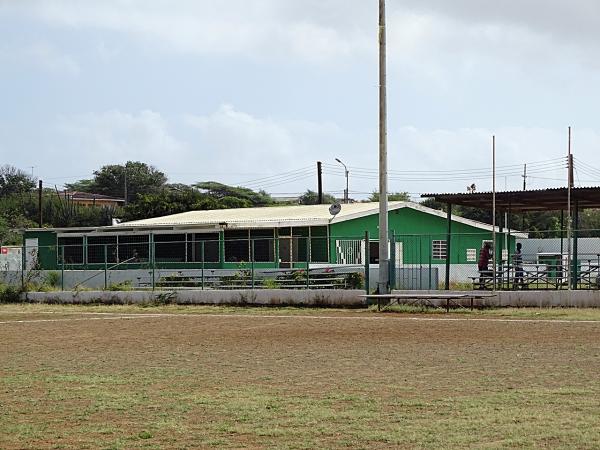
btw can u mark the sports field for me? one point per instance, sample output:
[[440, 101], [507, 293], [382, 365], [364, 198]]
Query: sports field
[[174, 377]]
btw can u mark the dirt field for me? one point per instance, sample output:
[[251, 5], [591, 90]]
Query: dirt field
[[73, 378]]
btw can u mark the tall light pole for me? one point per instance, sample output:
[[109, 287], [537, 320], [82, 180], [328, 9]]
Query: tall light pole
[[346, 195], [384, 258]]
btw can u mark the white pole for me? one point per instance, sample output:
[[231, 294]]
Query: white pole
[[494, 249], [569, 184], [384, 279]]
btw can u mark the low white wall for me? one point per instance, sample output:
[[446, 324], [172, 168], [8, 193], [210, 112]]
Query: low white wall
[[519, 299], [317, 297], [323, 298]]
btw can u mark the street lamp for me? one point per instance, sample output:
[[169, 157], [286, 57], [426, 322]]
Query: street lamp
[[346, 171]]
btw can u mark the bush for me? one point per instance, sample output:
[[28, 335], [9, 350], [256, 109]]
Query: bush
[[122, 286], [52, 279], [355, 280], [270, 283], [10, 294]]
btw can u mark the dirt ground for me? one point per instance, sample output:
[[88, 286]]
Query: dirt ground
[[327, 380]]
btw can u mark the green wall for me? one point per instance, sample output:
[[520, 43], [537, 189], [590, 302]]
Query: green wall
[[46, 247], [416, 230], [413, 228]]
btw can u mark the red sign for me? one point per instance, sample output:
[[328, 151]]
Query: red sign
[[4, 250]]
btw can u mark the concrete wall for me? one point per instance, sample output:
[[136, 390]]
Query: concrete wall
[[95, 279], [263, 297], [321, 298], [520, 299]]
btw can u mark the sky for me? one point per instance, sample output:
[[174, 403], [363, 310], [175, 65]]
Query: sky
[[255, 92]]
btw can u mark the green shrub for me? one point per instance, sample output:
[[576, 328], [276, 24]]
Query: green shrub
[[354, 280], [10, 294], [122, 286], [52, 279], [270, 283]]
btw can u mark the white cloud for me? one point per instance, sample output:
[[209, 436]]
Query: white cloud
[[258, 29], [238, 142], [95, 139], [42, 55], [463, 156]]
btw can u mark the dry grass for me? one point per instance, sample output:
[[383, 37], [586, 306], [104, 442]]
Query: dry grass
[[299, 379]]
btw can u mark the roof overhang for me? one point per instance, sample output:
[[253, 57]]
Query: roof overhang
[[523, 201]]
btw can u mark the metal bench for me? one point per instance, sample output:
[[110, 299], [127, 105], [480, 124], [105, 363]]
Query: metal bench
[[450, 298]]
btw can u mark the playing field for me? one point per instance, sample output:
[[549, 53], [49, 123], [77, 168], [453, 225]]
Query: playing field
[[248, 378]]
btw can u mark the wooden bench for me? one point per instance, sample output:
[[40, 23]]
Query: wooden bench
[[426, 298]]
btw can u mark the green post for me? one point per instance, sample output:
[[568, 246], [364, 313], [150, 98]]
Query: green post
[[574, 262], [307, 263], [392, 265], [222, 247], [252, 262], [429, 252], [367, 261], [23, 264], [105, 266], [62, 268], [153, 260], [202, 250], [276, 242], [448, 247]]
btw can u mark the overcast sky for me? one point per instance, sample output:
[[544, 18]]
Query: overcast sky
[[254, 92]]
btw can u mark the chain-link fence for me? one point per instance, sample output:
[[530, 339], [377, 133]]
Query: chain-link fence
[[255, 260]]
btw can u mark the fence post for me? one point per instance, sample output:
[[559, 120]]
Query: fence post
[[392, 264], [367, 262], [23, 264], [62, 268], [252, 262], [307, 263], [429, 253], [105, 266], [153, 260], [202, 273]]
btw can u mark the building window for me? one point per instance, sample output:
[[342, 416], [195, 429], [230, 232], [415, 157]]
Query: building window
[[318, 244], [72, 249], [438, 249], [133, 248], [203, 242], [169, 247], [264, 245], [471, 255], [101, 249], [237, 246]]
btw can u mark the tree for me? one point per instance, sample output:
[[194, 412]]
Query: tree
[[312, 198], [137, 177], [392, 197], [81, 186], [173, 199], [14, 181], [234, 197]]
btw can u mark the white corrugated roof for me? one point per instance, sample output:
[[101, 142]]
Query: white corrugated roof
[[296, 215], [282, 216]]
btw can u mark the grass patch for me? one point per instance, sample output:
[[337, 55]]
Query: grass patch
[[255, 382]]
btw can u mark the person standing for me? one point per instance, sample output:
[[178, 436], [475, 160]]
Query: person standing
[[518, 265], [485, 254]]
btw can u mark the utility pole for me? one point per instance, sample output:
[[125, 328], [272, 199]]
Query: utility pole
[[524, 177], [569, 186], [320, 182], [384, 259], [125, 183], [494, 249], [40, 203], [346, 172]]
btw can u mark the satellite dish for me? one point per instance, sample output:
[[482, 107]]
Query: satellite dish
[[335, 209]]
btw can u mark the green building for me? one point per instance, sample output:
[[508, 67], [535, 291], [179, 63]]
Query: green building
[[270, 237]]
